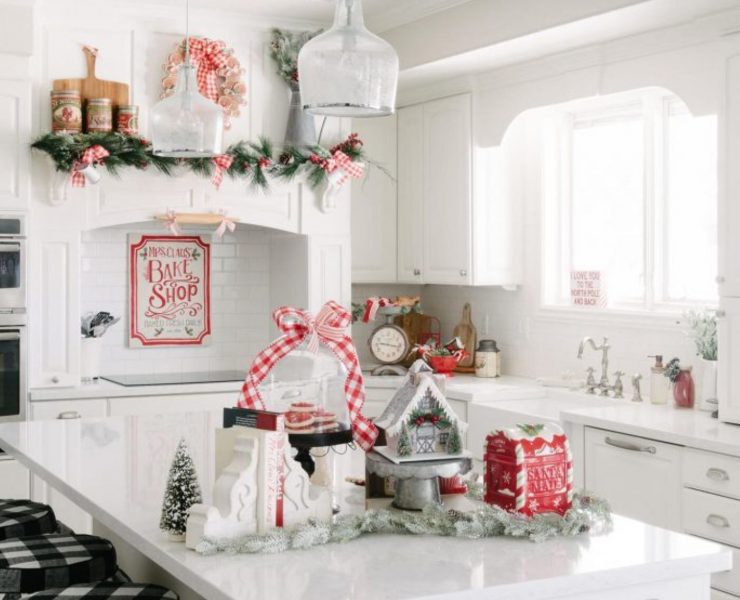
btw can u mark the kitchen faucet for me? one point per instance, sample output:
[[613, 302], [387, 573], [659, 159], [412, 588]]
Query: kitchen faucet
[[603, 386]]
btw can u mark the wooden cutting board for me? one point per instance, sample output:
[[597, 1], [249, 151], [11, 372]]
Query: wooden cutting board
[[92, 87], [466, 331], [416, 325]]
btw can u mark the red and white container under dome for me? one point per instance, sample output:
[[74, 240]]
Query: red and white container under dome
[[529, 469]]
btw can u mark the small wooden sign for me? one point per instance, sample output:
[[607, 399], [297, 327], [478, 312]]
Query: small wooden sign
[[170, 290], [587, 288]]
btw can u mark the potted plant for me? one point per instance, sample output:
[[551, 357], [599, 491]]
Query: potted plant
[[702, 328], [93, 326]]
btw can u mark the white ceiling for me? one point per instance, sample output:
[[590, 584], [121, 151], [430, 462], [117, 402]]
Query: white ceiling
[[380, 15]]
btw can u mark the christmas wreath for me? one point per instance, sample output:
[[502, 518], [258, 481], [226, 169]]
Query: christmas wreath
[[436, 416], [219, 74], [252, 161]]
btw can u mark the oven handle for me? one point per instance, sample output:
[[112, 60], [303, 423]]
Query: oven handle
[[10, 247], [10, 336]]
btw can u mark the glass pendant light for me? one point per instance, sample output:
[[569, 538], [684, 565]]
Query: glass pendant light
[[187, 124], [348, 71]]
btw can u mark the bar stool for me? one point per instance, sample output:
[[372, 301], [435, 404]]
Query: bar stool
[[106, 591], [21, 518], [37, 563]]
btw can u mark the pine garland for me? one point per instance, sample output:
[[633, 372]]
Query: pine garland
[[253, 161], [588, 513]]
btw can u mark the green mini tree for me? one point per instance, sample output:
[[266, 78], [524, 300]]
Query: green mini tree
[[403, 448], [454, 442], [182, 492]]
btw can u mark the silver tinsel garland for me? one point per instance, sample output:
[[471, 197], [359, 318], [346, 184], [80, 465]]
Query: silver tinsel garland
[[587, 513]]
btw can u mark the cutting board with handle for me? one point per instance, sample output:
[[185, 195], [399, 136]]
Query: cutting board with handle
[[466, 331], [92, 87]]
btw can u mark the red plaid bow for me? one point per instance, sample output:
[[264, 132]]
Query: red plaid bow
[[372, 305], [328, 327], [344, 167], [222, 162], [91, 156], [210, 56]]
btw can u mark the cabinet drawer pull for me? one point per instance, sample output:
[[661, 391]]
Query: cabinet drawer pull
[[718, 474], [69, 414], [718, 521], [417, 272], [629, 446]]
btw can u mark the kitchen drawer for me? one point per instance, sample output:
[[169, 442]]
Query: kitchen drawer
[[716, 473], [68, 409], [173, 403], [712, 517]]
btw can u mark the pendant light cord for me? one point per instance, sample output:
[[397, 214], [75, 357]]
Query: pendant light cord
[[187, 32]]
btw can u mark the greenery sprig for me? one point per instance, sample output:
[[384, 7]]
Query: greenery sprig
[[703, 331], [436, 416], [284, 50], [252, 161]]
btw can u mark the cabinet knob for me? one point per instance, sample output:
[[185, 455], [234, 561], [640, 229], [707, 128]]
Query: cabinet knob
[[417, 272], [463, 273], [55, 379], [720, 313], [69, 414], [719, 279]]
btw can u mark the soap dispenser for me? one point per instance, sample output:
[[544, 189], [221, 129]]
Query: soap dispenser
[[660, 386]]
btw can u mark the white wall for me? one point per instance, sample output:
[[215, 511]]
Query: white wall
[[240, 303]]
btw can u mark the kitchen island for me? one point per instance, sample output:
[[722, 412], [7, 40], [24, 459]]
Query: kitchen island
[[115, 468]]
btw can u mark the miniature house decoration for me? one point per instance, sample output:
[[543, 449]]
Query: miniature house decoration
[[418, 421], [529, 469]]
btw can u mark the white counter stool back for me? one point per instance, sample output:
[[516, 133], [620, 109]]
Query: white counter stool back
[[21, 518], [43, 562], [107, 591]]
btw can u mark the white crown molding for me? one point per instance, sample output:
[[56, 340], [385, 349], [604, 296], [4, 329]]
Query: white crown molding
[[407, 12]]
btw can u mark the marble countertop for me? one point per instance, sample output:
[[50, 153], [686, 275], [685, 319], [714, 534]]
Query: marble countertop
[[115, 469]]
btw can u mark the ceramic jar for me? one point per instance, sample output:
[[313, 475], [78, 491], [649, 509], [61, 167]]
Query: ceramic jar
[[487, 359], [683, 389]]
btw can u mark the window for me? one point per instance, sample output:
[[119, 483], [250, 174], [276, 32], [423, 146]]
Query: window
[[631, 194]]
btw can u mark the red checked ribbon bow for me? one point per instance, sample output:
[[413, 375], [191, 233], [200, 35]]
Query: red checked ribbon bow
[[210, 56], [328, 327], [91, 156], [340, 168], [222, 162], [372, 305]]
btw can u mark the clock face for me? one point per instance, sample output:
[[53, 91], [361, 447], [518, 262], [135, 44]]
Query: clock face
[[389, 344]]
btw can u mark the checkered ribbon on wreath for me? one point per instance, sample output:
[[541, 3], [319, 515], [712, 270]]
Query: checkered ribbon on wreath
[[210, 56], [36, 563], [107, 591], [329, 327], [91, 156], [21, 518]]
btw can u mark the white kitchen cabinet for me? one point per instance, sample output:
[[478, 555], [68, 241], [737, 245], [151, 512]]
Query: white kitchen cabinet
[[456, 222], [447, 191], [410, 194], [640, 477], [728, 381], [14, 479], [374, 205], [65, 510], [55, 309], [15, 134]]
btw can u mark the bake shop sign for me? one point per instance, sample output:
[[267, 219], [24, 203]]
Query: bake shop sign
[[170, 290]]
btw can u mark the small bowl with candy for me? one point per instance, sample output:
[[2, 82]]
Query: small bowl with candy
[[444, 359]]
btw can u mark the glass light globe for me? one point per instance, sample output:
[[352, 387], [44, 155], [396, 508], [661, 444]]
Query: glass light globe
[[348, 71], [187, 124]]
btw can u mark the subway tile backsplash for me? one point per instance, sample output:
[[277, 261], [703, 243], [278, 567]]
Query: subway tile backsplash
[[240, 308]]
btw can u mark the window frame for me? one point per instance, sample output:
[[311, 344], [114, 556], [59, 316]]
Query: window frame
[[654, 109]]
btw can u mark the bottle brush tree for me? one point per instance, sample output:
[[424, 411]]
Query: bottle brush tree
[[182, 492], [403, 448], [454, 442]]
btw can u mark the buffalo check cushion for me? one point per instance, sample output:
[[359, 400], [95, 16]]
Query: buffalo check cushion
[[107, 591], [21, 518], [43, 562]]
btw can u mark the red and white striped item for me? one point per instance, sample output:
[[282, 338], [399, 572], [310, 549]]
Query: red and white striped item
[[328, 327], [372, 305], [210, 56], [93, 155]]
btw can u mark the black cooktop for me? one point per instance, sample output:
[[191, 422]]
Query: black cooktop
[[173, 378]]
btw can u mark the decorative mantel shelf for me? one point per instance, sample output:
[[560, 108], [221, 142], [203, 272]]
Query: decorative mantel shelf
[[76, 156]]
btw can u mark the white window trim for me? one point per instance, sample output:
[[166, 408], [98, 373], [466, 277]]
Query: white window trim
[[654, 311]]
